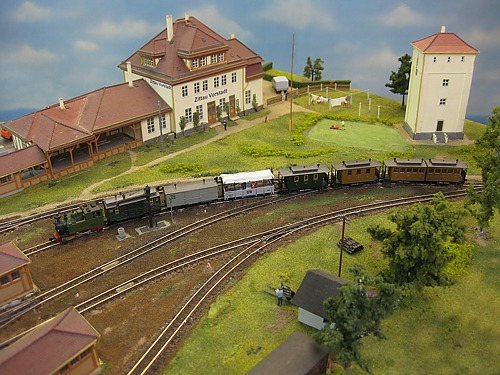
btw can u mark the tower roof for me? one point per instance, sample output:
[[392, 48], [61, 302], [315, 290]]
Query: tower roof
[[444, 42]]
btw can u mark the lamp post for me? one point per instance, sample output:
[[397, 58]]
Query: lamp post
[[162, 149]]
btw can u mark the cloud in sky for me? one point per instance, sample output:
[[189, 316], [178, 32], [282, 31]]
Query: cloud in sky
[[85, 46], [298, 14], [27, 55], [30, 12], [215, 18], [403, 16], [124, 29], [479, 38]]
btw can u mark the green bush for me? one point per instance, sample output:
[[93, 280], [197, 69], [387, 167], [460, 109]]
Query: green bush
[[181, 167], [378, 232], [463, 254]]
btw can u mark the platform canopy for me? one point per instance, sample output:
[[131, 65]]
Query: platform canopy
[[238, 178]]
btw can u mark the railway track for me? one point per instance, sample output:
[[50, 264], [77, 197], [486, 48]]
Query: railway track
[[15, 312], [264, 238]]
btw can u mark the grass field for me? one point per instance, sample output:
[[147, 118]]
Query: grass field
[[447, 330]]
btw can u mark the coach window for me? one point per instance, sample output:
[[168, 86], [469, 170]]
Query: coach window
[[358, 171], [296, 179], [306, 178], [117, 210], [5, 280], [431, 170], [367, 171], [15, 275], [315, 177], [396, 170], [349, 173], [450, 170]]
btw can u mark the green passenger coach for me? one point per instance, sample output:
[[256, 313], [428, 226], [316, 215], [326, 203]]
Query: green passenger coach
[[304, 177]]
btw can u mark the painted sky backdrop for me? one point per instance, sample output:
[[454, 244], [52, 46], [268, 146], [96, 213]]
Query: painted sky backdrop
[[63, 48]]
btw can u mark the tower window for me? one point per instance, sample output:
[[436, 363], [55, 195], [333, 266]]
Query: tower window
[[446, 82], [442, 101], [449, 58], [463, 59], [435, 59]]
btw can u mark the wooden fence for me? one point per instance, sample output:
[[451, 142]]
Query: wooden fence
[[307, 90]]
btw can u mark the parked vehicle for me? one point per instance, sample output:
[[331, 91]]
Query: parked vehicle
[[280, 83]]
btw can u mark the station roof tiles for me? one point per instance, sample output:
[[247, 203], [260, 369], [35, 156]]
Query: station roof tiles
[[21, 159], [11, 257], [49, 346]]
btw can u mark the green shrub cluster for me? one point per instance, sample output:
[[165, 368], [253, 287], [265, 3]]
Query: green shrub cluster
[[462, 254], [378, 232], [267, 151], [181, 167], [267, 66]]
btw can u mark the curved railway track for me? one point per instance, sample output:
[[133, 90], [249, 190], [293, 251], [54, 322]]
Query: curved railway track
[[265, 239]]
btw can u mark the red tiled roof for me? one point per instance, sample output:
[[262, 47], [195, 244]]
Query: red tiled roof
[[11, 257], [191, 39], [18, 160], [444, 43], [52, 128], [49, 346]]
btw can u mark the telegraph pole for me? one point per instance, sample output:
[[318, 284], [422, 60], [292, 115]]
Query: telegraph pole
[[162, 149], [342, 245], [291, 86]]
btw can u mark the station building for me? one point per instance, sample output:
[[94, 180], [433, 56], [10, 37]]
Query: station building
[[185, 69], [440, 80], [15, 277], [65, 344], [194, 69]]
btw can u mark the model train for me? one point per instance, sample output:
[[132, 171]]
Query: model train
[[97, 215]]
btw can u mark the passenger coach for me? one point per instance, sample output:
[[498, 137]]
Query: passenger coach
[[247, 184], [355, 172], [304, 177]]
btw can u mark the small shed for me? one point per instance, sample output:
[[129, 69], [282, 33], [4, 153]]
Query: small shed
[[299, 354], [399, 169], [304, 177], [355, 172], [315, 288], [15, 277], [64, 344]]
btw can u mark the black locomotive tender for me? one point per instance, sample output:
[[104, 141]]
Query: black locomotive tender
[[97, 215]]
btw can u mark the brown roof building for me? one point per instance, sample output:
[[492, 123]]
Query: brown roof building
[[15, 277], [64, 344], [194, 69]]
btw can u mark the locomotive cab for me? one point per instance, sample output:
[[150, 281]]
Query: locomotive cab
[[87, 217]]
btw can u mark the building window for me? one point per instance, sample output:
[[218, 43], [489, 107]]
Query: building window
[[163, 121], [148, 61], [5, 280], [196, 63], [205, 85], [221, 56], [216, 81], [222, 103], [74, 361], [224, 80], [151, 125], [197, 87], [15, 275], [188, 113], [233, 77], [248, 97], [449, 58], [442, 101], [434, 59], [203, 61], [85, 353], [184, 91], [446, 82], [199, 109], [462, 59], [214, 59], [5, 179], [64, 369]]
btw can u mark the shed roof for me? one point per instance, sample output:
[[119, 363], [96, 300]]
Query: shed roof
[[106, 108], [49, 346], [240, 177], [443, 43], [11, 257], [356, 164], [315, 288], [297, 355], [21, 159]]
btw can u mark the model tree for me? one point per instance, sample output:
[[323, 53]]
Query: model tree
[[313, 70], [400, 80], [416, 250], [487, 156], [357, 312]]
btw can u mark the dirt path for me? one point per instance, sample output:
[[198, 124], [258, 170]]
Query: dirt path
[[277, 110]]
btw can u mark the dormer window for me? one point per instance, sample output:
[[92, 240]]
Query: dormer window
[[203, 61], [221, 56], [195, 63], [148, 61], [214, 59]]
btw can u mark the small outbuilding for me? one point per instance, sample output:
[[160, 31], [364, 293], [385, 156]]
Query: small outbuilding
[[315, 288], [64, 344], [299, 354], [15, 277]]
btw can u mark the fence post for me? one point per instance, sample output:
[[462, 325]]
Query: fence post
[[378, 112], [369, 104], [335, 86], [327, 91], [359, 111]]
